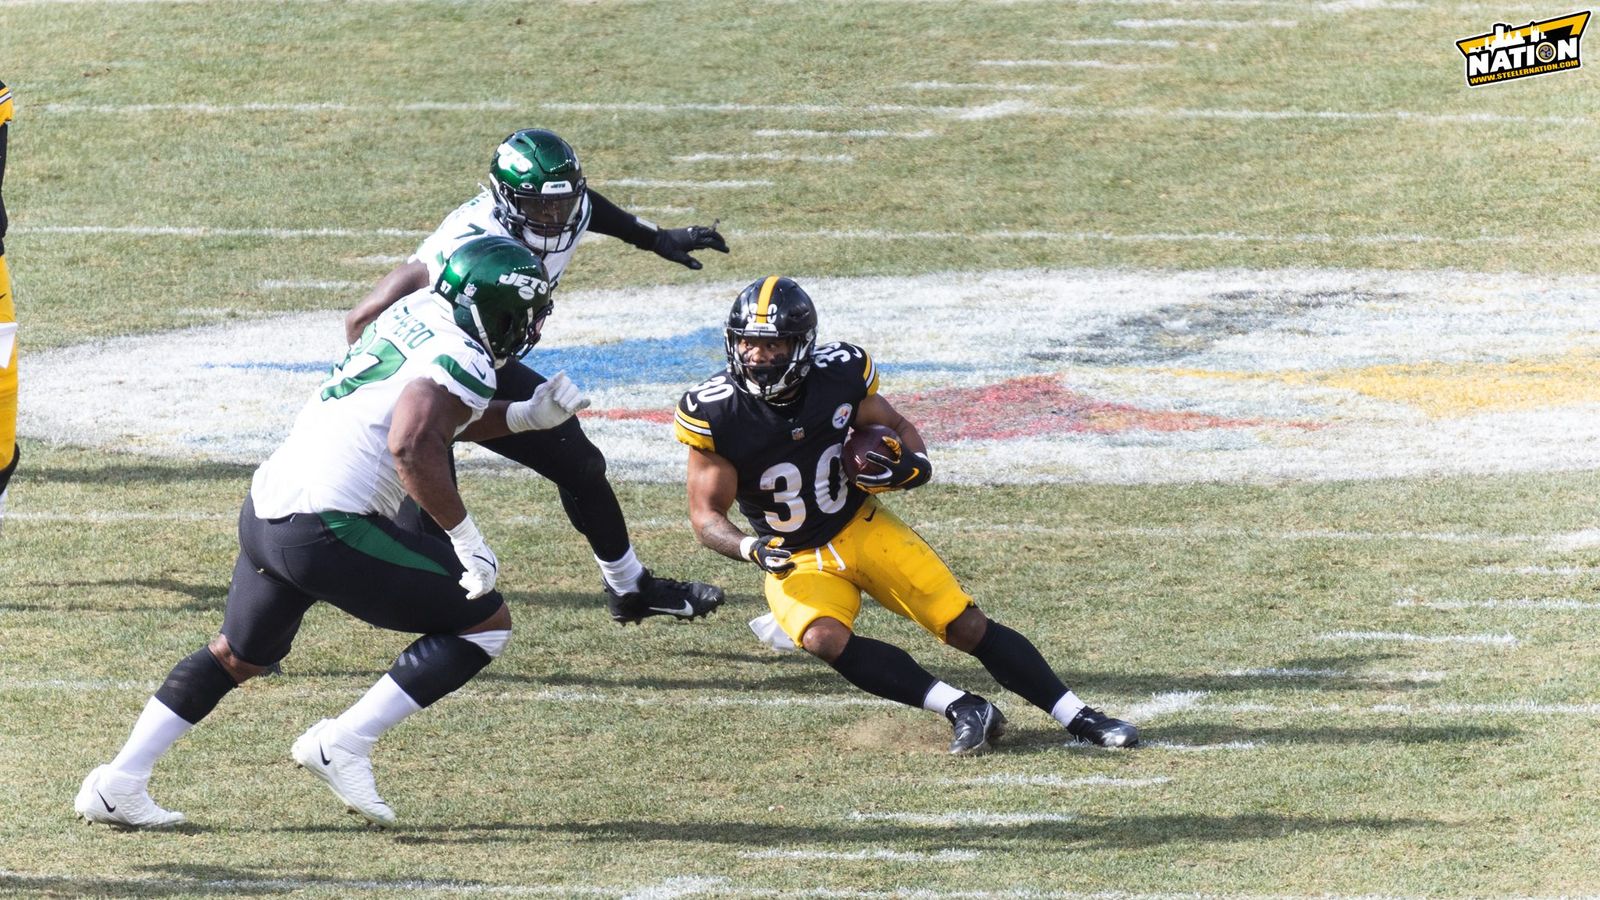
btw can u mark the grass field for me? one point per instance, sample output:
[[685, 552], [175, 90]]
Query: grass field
[[1348, 686]]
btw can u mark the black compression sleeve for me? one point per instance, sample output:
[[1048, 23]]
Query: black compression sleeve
[[609, 218]]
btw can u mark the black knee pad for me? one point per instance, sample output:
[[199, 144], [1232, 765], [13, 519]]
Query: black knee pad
[[195, 685], [436, 664]]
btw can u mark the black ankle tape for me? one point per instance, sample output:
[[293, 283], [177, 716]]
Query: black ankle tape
[[195, 686]]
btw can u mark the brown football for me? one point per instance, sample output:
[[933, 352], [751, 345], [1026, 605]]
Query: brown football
[[863, 440]]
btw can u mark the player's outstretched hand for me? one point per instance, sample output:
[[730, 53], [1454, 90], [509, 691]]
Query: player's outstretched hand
[[482, 568], [676, 243], [552, 403], [769, 556]]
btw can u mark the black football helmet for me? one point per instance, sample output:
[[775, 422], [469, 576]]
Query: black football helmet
[[773, 307]]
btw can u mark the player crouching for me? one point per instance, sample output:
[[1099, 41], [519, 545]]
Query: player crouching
[[770, 433]]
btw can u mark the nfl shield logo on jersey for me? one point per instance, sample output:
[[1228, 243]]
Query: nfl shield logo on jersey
[[841, 416]]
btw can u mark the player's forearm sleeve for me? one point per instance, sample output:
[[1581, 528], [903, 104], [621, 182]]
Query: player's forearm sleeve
[[611, 219]]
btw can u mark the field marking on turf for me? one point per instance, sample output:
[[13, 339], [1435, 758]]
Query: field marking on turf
[[1501, 640], [273, 284], [1056, 781], [1065, 64], [964, 817], [1124, 42], [920, 134], [987, 86], [1229, 747], [1587, 539], [380, 259], [955, 526], [873, 855], [1410, 709], [1528, 603], [1163, 705], [205, 231], [1201, 24], [731, 184], [1540, 570], [959, 113], [1419, 675], [769, 156]]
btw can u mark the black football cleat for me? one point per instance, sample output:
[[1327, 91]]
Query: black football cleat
[[681, 600], [1092, 726], [977, 723]]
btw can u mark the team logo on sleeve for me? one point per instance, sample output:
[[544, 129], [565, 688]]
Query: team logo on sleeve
[[841, 416], [1537, 48]]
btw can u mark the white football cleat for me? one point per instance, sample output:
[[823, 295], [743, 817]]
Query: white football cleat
[[346, 772], [112, 798]]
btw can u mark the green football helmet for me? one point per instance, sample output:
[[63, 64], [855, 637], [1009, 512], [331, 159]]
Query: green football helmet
[[538, 189], [499, 294]]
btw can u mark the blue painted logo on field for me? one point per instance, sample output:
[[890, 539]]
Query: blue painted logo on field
[[677, 359]]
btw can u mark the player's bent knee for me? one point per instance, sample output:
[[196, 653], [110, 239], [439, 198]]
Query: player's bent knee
[[237, 668], [825, 638], [967, 629]]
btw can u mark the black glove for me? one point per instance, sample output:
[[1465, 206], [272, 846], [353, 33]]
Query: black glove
[[675, 243], [902, 472], [769, 556]]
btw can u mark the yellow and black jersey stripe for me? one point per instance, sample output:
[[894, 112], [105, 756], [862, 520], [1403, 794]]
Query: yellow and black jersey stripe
[[5, 103], [692, 431]]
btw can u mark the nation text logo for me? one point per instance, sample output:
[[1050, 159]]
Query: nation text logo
[[1537, 48]]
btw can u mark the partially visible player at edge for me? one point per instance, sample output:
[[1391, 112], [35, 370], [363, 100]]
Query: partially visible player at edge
[[538, 195], [318, 525], [769, 433], [10, 451]]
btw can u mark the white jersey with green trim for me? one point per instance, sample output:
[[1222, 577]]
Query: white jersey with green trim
[[474, 219], [336, 458]]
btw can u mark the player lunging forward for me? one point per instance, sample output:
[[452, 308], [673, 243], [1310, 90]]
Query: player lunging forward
[[539, 196], [318, 525], [768, 433]]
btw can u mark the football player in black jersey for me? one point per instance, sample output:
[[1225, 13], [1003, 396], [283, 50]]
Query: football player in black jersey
[[769, 433]]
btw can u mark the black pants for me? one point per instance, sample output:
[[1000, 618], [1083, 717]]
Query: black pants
[[565, 456], [365, 565]]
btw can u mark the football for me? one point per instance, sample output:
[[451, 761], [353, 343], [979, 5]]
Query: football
[[864, 440]]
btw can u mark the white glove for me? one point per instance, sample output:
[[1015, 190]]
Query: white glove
[[552, 403], [481, 565]]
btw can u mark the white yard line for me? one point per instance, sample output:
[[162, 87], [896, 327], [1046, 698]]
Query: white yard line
[[1499, 640], [1065, 64], [920, 134], [1540, 570], [1163, 705], [1055, 781], [1229, 747], [1519, 603], [206, 231], [768, 156], [1205, 24], [1421, 675], [733, 184], [878, 855], [987, 86], [1469, 710], [278, 285], [963, 817]]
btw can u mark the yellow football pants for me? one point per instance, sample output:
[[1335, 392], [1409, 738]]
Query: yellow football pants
[[8, 375], [876, 553]]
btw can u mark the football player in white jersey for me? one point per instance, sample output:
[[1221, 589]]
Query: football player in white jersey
[[318, 525], [538, 195]]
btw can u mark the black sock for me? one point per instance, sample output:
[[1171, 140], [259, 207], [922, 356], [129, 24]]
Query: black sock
[[195, 686], [436, 664], [885, 670], [1018, 666]]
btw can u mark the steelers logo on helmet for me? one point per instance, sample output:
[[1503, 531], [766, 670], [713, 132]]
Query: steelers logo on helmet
[[499, 295], [538, 188], [769, 338]]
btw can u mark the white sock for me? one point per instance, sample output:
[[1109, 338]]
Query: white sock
[[1066, 708], [622, 574], [940, 696], [154, 733], [382, 707]]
